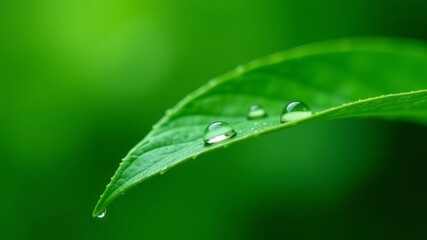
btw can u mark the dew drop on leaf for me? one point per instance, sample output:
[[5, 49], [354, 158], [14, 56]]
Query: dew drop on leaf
[[294, 111], [102, 214], [217, 132], [256, 112]]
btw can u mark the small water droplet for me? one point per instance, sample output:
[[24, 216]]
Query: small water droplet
[[256, 112], [102, 214], [294, 111], [163, 171], [217, 132]]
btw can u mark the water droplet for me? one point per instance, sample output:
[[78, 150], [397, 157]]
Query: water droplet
[[217, 132], [102, 214], [294, 111], [256, 112]]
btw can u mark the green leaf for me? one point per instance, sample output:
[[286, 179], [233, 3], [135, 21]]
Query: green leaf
[[381, 78]]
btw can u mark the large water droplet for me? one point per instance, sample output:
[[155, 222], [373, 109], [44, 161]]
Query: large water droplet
[[217, 132], [102, 214], [256, 112], [294, 111]]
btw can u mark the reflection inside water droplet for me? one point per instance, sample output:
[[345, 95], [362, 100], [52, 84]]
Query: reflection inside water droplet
[[102, 214], [217, 132], [255, 112], [294, 111]]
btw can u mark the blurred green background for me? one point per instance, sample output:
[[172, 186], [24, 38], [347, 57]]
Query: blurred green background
[[81, 82]]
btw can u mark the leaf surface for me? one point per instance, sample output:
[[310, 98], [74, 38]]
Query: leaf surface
[[347, 78]]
